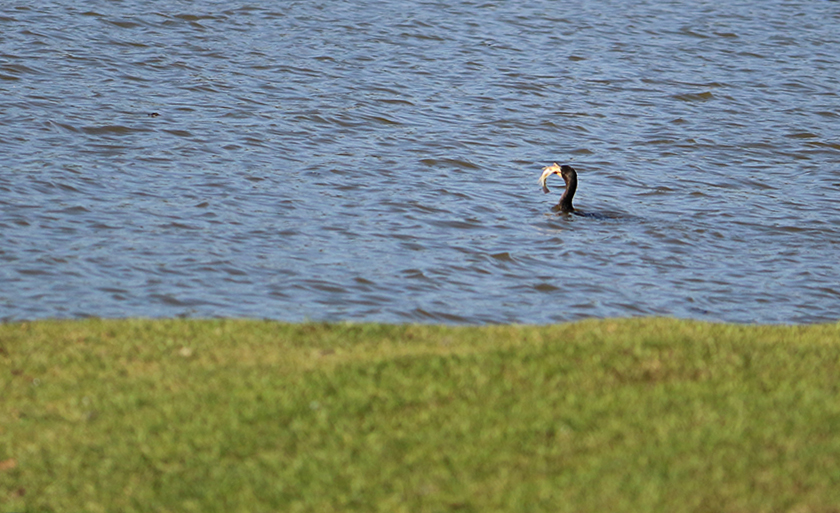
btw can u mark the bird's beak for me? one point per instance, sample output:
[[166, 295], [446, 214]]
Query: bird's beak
[[547, 171]]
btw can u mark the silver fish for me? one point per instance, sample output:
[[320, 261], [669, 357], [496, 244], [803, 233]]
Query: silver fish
[[548, 171]]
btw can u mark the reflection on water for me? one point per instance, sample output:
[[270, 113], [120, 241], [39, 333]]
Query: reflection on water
[[361, 161]]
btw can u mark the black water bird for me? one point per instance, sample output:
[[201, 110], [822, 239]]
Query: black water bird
[[569, 176]]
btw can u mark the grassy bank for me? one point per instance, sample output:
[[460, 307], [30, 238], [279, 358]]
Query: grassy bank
[[630, 415]]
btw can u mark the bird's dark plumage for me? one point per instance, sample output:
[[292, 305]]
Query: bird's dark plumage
[[569, 176]]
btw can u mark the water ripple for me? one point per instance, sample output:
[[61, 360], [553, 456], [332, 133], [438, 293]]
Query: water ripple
[[370, 161]]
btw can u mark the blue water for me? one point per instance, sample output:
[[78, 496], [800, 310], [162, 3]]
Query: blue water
[[378, 161]]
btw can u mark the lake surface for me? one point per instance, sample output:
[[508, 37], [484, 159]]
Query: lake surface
[[378, 161]]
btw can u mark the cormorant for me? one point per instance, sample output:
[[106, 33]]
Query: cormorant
[[570, 177]]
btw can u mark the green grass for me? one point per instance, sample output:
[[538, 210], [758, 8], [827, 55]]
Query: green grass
[[604, 416]]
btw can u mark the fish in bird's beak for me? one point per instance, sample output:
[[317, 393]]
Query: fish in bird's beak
[[548, 171]]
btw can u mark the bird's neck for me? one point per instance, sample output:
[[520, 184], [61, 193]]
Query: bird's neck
[[568, 194]]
